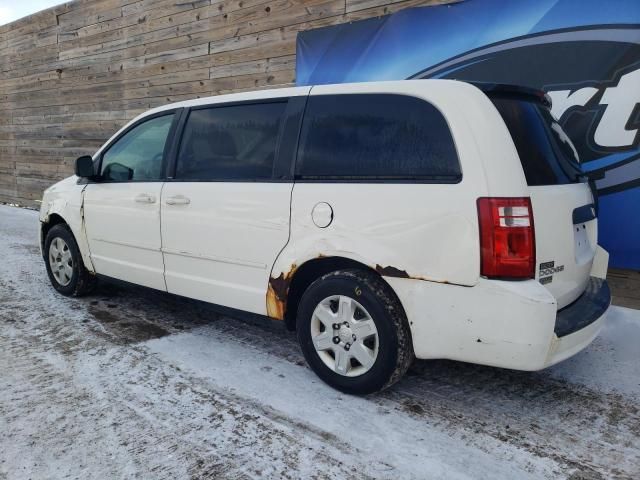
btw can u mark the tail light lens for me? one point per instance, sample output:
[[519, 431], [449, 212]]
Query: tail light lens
[[507, 238]]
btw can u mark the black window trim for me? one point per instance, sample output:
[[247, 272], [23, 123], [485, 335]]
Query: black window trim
[[423, 179], [281, 172], [177, 114], [370, 179], [287, 146]]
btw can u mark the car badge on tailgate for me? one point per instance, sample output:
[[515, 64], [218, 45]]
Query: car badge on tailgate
[[547, 269]]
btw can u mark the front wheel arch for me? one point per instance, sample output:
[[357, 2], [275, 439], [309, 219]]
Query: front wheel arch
[[82, 281], [52, 220]]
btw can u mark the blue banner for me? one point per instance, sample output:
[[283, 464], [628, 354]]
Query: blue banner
[[584, 53]]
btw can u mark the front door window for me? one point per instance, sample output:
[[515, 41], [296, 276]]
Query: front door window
[[139, 154]]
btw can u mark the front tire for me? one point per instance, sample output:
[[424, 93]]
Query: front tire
[[65, 267], [353, 332]]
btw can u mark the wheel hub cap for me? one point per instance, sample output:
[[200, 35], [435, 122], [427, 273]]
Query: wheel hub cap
[[60, 261], [344, 335]]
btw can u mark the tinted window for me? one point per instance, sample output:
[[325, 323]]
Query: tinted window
[[236, 142], [138, 155], [547, 155], [374, 136]]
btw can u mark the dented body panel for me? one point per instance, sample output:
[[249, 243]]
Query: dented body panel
[[498, 323], [421, 231], [221, 248], [424, 229], [66, 199]]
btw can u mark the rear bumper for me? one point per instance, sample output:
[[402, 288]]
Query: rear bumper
[[579, 323], [500, 323], [588, 308]]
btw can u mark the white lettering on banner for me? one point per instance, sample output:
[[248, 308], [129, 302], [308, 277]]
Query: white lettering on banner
[[563, 100], [620, 101]]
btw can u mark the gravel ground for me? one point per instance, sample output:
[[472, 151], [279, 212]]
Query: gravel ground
[[132, 383]]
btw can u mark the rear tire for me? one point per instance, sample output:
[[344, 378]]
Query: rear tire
[[353, 332], [63, 260]]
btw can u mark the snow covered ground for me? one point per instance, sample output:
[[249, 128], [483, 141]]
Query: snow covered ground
[[131, 383]]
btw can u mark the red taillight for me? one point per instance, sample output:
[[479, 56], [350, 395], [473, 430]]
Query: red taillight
[[507, 239]]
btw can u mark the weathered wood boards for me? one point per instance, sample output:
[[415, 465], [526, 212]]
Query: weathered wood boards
[[70, 76]]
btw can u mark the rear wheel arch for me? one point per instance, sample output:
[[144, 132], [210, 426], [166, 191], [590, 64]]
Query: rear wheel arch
[[288, 288], [372, 325]]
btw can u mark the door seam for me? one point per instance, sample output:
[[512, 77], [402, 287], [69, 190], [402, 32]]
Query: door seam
[[164, 266]]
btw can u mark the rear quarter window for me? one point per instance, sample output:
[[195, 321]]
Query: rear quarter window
[[375, 137]]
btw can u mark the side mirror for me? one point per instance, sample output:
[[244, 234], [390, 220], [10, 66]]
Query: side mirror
[[84, 167]]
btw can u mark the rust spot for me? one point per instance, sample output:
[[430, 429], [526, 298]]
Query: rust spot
[[390, 271], [275, 306], [277, 292]]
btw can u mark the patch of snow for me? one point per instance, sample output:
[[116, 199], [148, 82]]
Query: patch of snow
[[384, 439], [610, 364]]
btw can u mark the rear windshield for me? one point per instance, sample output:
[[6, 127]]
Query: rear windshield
[[548, 157]]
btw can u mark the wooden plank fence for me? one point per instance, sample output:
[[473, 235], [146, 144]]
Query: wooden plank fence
[[70, 76]]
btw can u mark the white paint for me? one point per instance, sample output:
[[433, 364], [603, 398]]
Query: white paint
[[600, 263], [124, 233], [65, 200], [221, 246], [557, 239]]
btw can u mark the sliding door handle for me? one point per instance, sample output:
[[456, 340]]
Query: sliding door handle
[[178, 200], [145, 198]]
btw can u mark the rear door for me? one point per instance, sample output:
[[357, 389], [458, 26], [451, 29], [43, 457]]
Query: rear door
[[225, 214], [563, 204]]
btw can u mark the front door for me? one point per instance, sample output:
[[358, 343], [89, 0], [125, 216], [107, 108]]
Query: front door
[[224, 216], [122, 209]]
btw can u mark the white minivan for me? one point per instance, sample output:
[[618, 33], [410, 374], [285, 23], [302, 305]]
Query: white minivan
[[382, 221]]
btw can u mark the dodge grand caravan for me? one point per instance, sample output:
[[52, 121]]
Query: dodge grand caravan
[[381, 221]]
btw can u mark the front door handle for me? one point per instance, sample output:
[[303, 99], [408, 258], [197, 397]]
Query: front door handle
[[145, 198], [178, 200]]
